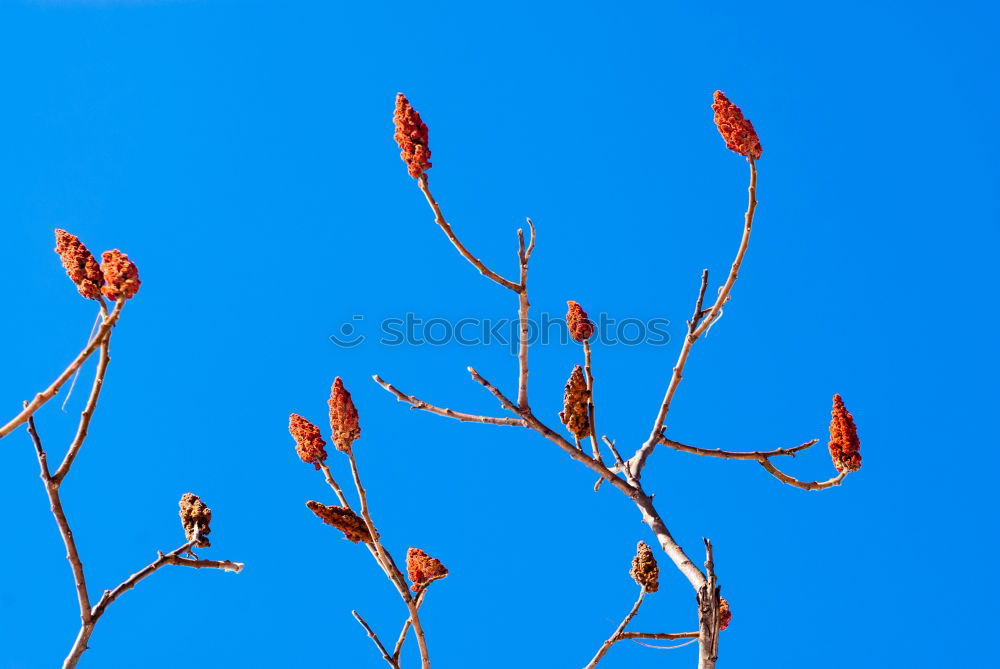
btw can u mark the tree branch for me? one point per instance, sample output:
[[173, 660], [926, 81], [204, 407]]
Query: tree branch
[[417, 403], [41, 398], [815, 485], [698, 325], [606, 646], [374, 637], [443, 224], [733, 455]]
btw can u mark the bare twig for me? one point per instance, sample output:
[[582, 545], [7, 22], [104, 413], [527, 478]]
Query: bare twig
[[418, 600], [374, 637], [626, 636], [41, 398], [733, 455], [522, 319], [785, 478], [616, 636], [416, 403], [443, 224], [708, 614], [697, 326], [595, 448]]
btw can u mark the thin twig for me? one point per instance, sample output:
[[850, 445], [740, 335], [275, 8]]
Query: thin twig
[[88, 410], [418, 600], [595, 448], [41, 398], [443, 224], [680, 645], [814, 485], [522, 320], [626, 636], [697, 326], [374, 637], [735, 455], [416, 403], [606, 646]]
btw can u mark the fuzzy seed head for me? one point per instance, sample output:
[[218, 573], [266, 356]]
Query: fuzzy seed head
[[121, 275], [576, 399], [195, 518], [580, 327], [309, 443], [736, 130], [351, 524], [645, 571], [845, 447], [725, 614], [411, 136], [422, 569], [81, 267], [343, 417]]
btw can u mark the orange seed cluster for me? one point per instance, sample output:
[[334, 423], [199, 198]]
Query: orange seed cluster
[[736, 130], [580, 327], [845, 447], [345, 520], [422, 569], [411, 136], [343, 417], [725, 614], [195, 518], [576, 399], [644, 570], [81, 267], [121, 275], [309, 443]]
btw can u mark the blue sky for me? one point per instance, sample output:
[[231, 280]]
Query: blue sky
[[242, 154]]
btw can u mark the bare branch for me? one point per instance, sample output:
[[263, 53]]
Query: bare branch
[[606, 646], [785, 478], [595, 448], [88, 410], [625, 636], [504, 402], [50, 392], [697, 326], [443, 224], [733, 455], [406, 626], [417, 403], [522, 321], [374, 637], [708, 614]]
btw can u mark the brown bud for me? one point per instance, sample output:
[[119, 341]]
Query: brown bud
[[423, 569], [580, 327], [845, 447], [411, 136], [575, 405], [644, 571], [308, 442], [121, 275], [81, 267], [736, 130], [195, 518], [725, 614], [343, 417], [345, 520]]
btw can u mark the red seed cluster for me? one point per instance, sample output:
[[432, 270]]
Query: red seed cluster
[[121, 275], [345, 520], [580, 327], [725, 614], [343, 417], [195, 519], [411, 136], [845, 447], [309, 443], [81, 267], [576, 405], [422, 569], [736, 130]]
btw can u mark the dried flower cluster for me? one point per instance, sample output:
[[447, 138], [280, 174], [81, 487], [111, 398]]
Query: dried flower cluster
[[644, 571], [343, 417], [345, 520], [576, 400], [580, 327], [195, 518], [845, 447], [422, 569], [736, 130], [81, 267], [121, 275], [411, 135], [725, 614], [309, 443]]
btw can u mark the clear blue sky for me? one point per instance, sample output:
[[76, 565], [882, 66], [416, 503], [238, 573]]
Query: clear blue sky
[[242, 154]]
